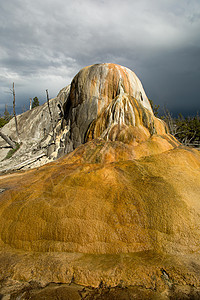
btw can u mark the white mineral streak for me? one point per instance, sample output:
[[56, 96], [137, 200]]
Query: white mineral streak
[[101, 84], [117, 111], [104, 92], [137, 88]]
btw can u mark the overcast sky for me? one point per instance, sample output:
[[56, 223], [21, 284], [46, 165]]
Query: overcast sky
[[44, 43]]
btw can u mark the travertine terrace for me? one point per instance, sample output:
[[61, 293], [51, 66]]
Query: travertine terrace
[[121, 206]]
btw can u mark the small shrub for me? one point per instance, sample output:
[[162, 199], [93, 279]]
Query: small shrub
[[2, 122], [12, 151]]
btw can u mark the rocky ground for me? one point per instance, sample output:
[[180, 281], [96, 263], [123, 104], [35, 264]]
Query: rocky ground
[[34, 291]]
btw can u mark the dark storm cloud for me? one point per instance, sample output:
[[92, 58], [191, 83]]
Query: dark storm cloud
[[45, 43]]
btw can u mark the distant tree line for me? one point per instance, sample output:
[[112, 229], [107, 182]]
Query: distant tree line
[[185, 129], [35, 102], [7, 116]]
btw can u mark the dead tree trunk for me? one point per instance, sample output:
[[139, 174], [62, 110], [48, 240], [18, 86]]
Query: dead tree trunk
[[14, 113], [51, 119], [8, 140]]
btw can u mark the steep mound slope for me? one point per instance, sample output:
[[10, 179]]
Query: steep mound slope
[[85, 221], [120, 207]]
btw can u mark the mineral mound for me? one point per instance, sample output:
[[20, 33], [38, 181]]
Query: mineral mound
[[108, 101], [120, 209]]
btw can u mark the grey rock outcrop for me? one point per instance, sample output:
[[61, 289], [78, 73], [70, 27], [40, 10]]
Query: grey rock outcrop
[[35, 132]]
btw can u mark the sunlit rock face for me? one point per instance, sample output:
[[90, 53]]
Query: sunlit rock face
[[108, 101]]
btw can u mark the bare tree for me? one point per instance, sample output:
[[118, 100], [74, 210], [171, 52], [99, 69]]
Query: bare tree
[[170, 122], [4, 136], [51, 119], [14, 112], [7, 140]]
